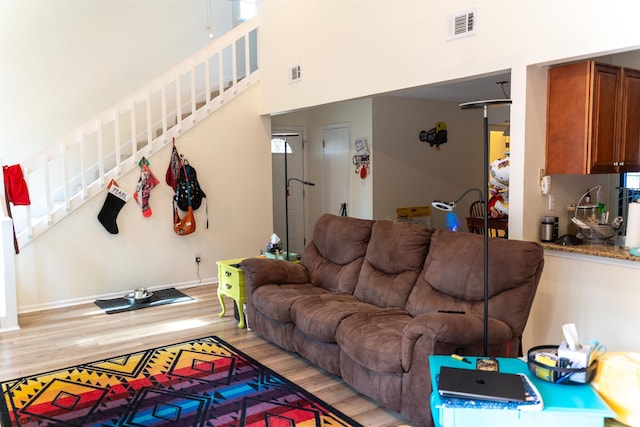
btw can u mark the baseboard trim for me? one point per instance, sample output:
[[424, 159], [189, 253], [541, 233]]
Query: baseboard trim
[[88, 299]]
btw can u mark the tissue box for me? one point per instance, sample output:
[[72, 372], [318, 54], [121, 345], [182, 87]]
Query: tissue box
[[578, 359]]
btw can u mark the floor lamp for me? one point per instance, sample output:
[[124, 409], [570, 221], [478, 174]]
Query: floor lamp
[[485, 105], [287, 180], [286, 205]]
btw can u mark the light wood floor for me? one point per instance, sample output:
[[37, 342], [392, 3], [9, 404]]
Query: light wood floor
[[83, 333]]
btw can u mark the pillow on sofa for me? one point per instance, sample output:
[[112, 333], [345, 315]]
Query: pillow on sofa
[[334, 256], [395, 256]]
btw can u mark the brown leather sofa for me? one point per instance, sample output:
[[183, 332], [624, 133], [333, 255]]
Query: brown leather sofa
[[367, 303]]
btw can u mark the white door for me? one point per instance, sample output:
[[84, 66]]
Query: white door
[[336, 168], [295, 200]]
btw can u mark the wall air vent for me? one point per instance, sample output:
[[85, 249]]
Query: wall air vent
[[295, 74], [461, 25]]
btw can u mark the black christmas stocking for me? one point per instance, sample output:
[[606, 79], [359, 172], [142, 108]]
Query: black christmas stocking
[[116, 198]]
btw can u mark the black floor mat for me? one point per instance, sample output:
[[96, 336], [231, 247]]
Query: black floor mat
[[161, 297]]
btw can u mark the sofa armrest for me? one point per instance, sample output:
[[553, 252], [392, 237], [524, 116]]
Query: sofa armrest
[[453, 330], [265, 271]]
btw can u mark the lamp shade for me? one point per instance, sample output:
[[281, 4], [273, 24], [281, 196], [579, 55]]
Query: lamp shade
[[443, 206]]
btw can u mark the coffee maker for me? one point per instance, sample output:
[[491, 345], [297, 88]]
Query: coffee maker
[[549, 229]]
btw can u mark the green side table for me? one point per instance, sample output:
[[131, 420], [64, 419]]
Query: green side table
[[231, 284]]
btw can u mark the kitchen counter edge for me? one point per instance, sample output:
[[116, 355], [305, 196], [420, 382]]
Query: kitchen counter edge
[[609, 251]]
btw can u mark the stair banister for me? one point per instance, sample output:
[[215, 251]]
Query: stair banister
[[207, 84], [68, 173], [100, 153], [47, 187], [66, 191], [116, 137], [8, 294], [192, 76], [83, 165], [220, 77], [163, 101]]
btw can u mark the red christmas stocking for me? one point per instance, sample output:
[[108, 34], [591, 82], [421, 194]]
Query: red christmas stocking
[[143, 189]]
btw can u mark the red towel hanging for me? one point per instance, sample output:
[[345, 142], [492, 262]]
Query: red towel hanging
[[16, 192], [15, 186]]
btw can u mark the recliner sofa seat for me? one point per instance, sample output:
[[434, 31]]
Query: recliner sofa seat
[[367, 303]]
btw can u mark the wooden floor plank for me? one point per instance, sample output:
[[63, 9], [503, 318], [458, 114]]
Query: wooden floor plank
[[62, 337]]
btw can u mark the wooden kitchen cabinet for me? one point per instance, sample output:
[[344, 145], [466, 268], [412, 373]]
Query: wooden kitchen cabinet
[[630, 121], [593, 119]]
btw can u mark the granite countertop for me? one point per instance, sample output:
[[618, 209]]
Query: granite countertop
[[608, 251]]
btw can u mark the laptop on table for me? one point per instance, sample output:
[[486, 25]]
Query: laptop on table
[[481, 385]]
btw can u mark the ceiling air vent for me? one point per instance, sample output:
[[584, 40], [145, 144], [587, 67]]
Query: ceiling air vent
[[462, 25], [295, 74]]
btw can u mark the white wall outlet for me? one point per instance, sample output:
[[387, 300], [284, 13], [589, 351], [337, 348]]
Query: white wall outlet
[[295, 73]]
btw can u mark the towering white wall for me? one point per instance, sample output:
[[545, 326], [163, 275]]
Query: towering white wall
[[347, 50], [78, 259], [64, 61]]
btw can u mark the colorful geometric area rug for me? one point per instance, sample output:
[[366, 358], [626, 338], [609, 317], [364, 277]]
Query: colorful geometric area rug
[[203, 382]]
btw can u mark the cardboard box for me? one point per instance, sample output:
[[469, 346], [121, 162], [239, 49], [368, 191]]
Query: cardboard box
[[414, 214]]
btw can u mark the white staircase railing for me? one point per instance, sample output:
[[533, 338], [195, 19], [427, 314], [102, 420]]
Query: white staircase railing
[[8, 301], [72, 171]]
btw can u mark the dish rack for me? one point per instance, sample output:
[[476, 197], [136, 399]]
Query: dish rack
[[592, 229]]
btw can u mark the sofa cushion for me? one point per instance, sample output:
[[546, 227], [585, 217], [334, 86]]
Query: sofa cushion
[[334, 257], [384, 387], [318, 316], [453, 277], [374, 338], [323, 354], [275, 301], [394, 258]]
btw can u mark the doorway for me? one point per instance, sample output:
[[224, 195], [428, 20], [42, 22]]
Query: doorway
[[288, 140], [336, 168]]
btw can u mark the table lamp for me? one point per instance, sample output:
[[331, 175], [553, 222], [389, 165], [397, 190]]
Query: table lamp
[[450, 218]]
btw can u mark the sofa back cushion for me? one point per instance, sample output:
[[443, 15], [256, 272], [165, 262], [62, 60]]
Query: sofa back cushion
[[334, 256], [395, 256], [453, 277]]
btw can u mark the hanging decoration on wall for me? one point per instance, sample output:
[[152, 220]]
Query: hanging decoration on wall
[[146, 183], [116, 198], [183, 178], [16, 192], [435, 136], [361, 162], [361, 158]]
